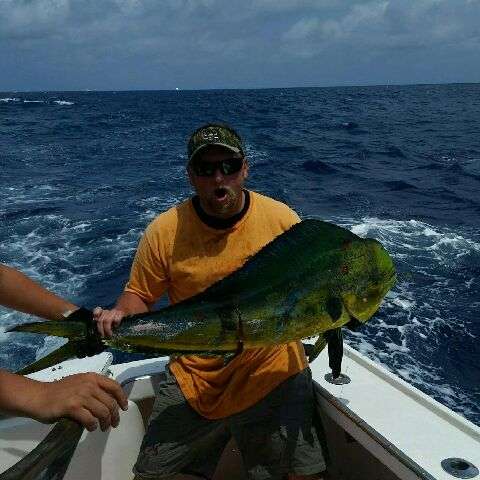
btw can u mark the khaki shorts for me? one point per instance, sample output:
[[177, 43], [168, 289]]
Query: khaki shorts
[[275, 436]]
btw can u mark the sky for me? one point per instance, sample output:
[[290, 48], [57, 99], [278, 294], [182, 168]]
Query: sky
[[204, 44]]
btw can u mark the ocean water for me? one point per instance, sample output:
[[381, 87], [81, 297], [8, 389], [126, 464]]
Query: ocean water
[[82, 174]]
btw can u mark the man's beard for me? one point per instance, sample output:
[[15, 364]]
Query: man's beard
[[230, 206]]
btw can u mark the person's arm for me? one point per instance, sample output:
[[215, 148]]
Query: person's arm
[[127, 304], [84, 397], [21, 293], [147, 277]]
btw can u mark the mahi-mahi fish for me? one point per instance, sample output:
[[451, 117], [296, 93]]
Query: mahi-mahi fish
[[309, 281]]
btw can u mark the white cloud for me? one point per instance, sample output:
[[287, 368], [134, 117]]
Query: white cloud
[[381, 25], [32, 19]]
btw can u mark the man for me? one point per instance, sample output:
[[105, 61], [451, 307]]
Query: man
[[88, 398], [263, 397]]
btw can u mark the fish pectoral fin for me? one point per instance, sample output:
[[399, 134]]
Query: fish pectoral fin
[[313, 351], [334, 308], [335, 350]]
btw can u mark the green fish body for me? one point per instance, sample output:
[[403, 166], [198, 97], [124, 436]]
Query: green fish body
[[314, 278]]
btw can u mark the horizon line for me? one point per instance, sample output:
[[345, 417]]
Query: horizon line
[[178, 89]]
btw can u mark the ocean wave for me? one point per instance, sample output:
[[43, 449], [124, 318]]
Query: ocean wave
[[399, 185], [316, 166], [64, 255], [393, 152], [36, 101], [412, 234], [349, 125]]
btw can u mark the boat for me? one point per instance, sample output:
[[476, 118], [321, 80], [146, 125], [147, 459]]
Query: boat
[[377, 426]]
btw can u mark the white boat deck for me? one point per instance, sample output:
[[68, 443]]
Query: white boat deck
[[415, 424]]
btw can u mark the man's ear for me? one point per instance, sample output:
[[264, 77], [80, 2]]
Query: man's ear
[[190, 175], [245, 169]]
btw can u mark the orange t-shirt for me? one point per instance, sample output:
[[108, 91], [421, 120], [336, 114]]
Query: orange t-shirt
[[181, 255]]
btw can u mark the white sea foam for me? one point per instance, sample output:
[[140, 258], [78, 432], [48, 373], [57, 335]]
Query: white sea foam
[[152, 206], [404, 303], [49, 345], [63, 102], [8, 99], [35, 245], [407, 236], [256, 156]]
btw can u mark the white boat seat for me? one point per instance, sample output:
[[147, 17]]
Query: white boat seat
[[109, 455]]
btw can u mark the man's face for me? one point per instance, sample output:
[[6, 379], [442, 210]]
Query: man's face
[[220, 195]]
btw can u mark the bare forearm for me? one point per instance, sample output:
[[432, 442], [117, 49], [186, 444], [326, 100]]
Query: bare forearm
[[129, 303], [88, 398], [21, 293], [17, 394]]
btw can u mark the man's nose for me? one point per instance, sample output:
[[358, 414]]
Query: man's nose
[[218, 175]]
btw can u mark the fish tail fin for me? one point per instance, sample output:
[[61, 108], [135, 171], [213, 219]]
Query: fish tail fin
[[81, 332], [65, 352], [66, 329]]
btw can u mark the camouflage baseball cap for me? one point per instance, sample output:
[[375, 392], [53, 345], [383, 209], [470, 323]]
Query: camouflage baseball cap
[[214, 134]]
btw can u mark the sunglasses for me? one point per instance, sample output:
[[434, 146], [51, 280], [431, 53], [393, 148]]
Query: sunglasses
[[228, 166]]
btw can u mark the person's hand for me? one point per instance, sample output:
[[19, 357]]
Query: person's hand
[[88, 398], [107, 319]]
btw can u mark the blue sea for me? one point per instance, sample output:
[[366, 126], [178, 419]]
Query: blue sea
[[83, 173]]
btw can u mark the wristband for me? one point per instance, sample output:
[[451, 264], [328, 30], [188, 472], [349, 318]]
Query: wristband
[[79, 315], [92, 344]]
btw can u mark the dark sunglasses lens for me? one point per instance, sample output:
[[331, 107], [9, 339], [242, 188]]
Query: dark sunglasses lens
[[227, 167], [231, 165], [204, 169]]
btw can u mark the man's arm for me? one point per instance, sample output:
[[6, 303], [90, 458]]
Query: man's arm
[[127, 304], [21, 293], [147, 277], [84, 397]]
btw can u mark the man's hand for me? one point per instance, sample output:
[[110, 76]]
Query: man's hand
[[107, 320], [88, 398]]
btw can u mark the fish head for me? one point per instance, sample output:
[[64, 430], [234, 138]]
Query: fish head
[[365, 277]]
